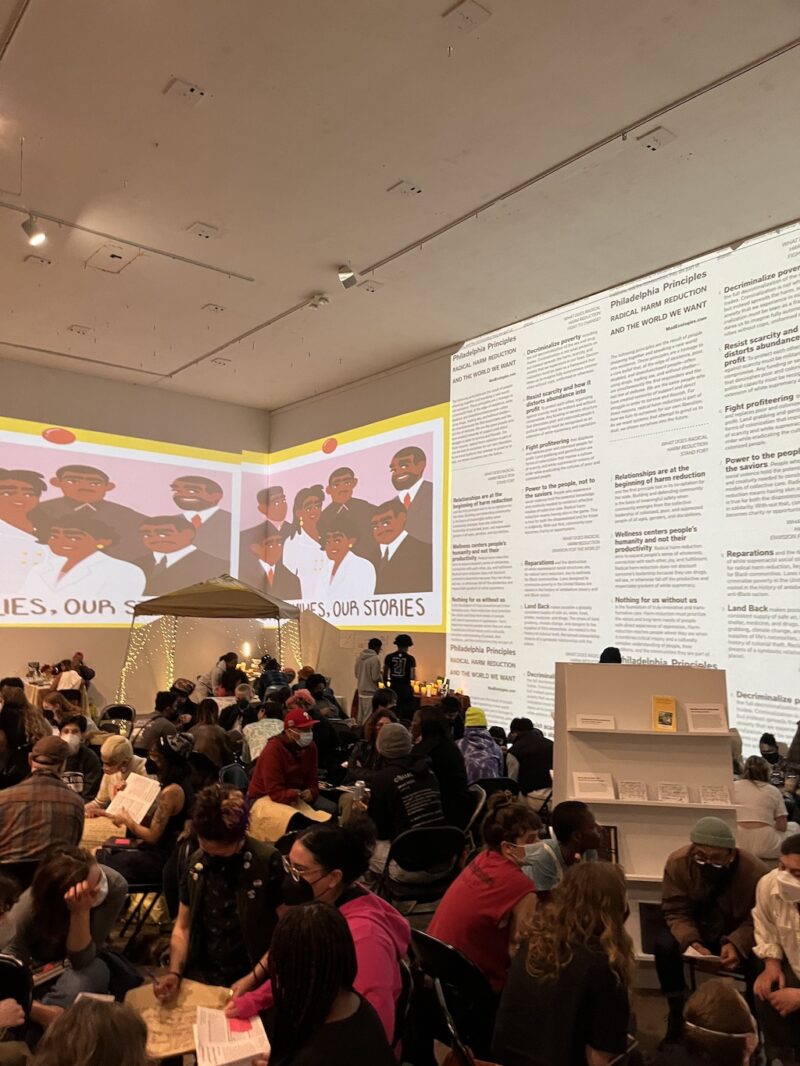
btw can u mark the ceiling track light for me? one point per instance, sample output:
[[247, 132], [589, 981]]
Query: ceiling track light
[[33, 231], [347, 276]]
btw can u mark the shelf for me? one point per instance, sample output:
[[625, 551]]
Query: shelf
[[646, 733], [645, 879], [595, 801]]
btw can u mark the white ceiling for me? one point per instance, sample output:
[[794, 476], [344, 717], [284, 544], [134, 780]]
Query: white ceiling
[[313, 109]]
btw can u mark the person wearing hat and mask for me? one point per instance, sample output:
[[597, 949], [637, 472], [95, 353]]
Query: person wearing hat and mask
[[404, 793], [481, 752], [158, 832], [399, 670], [776, 918], [708, 893], [286, 770], [40, 813]]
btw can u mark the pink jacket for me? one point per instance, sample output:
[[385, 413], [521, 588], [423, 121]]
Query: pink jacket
[[381, 937]]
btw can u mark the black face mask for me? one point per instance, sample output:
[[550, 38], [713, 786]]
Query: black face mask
[[713, 875], [294, 892], [771, 756]]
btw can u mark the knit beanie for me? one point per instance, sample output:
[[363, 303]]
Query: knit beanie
[[394, 741], [475, 716], [714, 833]]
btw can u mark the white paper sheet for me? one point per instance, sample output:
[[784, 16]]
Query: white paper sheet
[[222, 1041], [136, 798]]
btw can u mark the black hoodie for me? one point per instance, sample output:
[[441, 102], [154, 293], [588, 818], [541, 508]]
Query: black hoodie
[[405, 795]]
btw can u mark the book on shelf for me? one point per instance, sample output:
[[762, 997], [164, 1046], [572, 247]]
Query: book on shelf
[[673, 792], [609, 849], [664, 714]]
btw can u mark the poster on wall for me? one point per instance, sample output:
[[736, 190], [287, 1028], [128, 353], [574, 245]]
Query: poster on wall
[[92, 523], [639, 455], [353, 527]]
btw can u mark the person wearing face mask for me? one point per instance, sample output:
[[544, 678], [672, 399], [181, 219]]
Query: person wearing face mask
[[228, 900], [777, 929], [82, 771], [68, 913], [486, 907], [577, 840], [708, 893], [286, 770], [325, 864]]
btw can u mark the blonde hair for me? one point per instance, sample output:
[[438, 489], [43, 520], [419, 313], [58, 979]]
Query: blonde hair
[[588, 906], [116, 750], [89, 1031]]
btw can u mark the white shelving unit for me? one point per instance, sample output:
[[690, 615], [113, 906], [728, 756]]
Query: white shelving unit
[[647, 831]]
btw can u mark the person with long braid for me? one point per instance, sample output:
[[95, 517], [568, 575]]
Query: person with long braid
[[318, 1020]]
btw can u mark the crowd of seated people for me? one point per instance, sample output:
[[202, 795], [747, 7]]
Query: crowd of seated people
[[297, 920]]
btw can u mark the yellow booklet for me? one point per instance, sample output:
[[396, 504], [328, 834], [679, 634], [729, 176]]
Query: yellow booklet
[[665, 714]]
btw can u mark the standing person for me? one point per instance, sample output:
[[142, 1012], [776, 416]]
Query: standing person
[[319, 1020], [326, 864], [431, 732], [480, 751], [229, 897], [68, 913], [485, 909], [145, 863], [777, 931], [577, 840], [707, 897], [399, 670], [573, 977], [83, 492], [368, 673], [118, 762], [41, 812], [761, 819], [82, 770]]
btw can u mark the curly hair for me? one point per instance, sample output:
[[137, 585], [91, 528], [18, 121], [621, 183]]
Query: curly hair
[[34, 725], [588, 906], [220, 814]]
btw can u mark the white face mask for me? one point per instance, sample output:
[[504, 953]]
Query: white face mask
[[73, 742], [304, 738], [102, 889], [788, 887]]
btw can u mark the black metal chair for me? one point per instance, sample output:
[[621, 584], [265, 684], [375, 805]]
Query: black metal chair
[[417, 851], [403, 1005], [148, 893], [473, 825], [16, 981], [460, 1054], [490, 785], [122, 714], [472, 1000], [234, 774]]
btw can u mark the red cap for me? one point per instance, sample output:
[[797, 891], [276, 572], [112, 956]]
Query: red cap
[[299, 718]]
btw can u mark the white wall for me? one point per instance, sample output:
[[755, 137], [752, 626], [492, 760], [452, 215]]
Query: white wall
[[42, 394]]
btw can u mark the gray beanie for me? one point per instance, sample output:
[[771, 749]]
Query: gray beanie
[[394, 740], [712, 832]]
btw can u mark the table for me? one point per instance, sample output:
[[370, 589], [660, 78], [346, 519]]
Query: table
[[35, 693], [434, 701]]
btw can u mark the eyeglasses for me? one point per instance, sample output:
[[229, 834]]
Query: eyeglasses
[[295, 874], [703, 860]]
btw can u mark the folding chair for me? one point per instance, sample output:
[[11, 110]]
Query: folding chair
[[148, 894], [403, 1006], [120, 713], [477, 815], [419, 851], [490, 785], [234, 774]]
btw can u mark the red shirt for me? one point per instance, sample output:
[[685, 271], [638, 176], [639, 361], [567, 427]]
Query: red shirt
[[475, 913], [284, 770]]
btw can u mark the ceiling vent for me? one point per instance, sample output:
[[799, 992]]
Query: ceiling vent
[[655, 139], [82, 331], [204, 230], [407, 189], [467, 16], [112, 258], [185, 92]]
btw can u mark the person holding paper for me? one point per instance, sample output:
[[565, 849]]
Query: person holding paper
[[777, 927], [118, 762], [708, 893], [229, 897]]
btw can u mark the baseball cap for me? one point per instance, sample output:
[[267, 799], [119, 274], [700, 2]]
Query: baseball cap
[[299, 718], [50, 751]]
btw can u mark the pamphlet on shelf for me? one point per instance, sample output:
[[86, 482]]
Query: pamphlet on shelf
[[672, 792], [596, 721], [223, 1041], [715, 795], [592, 786], [706, 718], [136, 798], [665, 714], [632, 791]]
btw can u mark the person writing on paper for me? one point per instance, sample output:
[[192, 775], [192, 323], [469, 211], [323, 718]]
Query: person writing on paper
[[761, 819], [777, 928], [708, 892], [566, 998], [229, 896], [577, 840], [319, 1020], [67, 913], [118, 762]]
